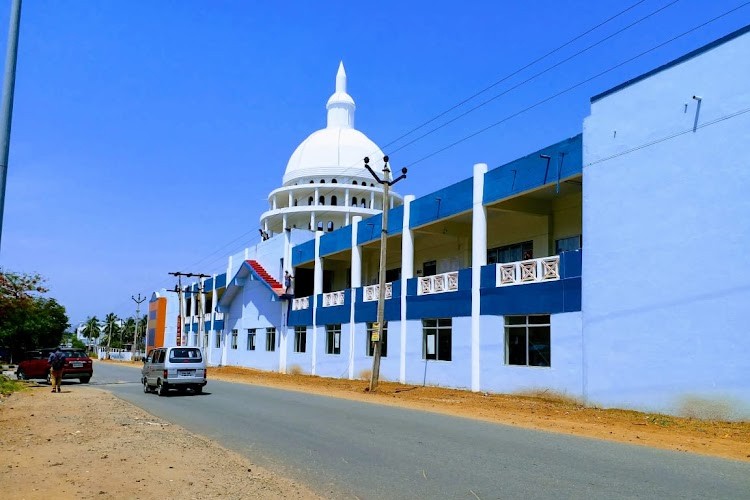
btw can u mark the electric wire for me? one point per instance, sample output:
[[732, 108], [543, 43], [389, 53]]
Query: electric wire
[[525, 109], [572, 87]]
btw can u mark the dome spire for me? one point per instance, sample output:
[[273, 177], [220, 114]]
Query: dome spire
[[341, 78], [340, 105]]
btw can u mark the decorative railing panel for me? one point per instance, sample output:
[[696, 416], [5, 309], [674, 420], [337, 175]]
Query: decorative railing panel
[[218, 316], [301, 303], [528, 271], [439, 283], [333, 299], [372, 292]]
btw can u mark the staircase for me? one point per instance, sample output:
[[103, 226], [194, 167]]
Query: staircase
[[277, 287]]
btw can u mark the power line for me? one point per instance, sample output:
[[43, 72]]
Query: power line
[[517, 71], [532, 77], [572, 87]]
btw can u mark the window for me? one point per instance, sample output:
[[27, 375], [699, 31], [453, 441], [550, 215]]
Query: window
[[511, 253], [322, 181], [217, 339], [300, 338], [320, 226], [364, 203], [321, 200], [354, 182], [392, 275], [429, 268], [251, 339], [334, 200], [383, 340], [437, 335], [354, 201], [312, 182], [270, 339], [334, 181], [567, 244], [234, 339], [527, 340], [295, 202], [330, 226], [310, 200], [333, 339]]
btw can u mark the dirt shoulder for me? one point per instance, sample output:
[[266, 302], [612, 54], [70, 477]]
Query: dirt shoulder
[[541, 412], [86, 443]]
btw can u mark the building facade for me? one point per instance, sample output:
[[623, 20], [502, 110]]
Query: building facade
[[490, 286]]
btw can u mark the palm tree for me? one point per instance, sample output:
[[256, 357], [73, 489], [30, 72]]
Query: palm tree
[[91, 327], [110, 327], [142, 330], [128, 331]]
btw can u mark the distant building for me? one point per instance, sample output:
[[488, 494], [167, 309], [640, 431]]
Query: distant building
[[490, 287]]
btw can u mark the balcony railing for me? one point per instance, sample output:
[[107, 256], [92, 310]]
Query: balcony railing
[[439, 283], [528, 271], [206, 316], [218, 316], [301, 303], [333, 299], [372, 292]]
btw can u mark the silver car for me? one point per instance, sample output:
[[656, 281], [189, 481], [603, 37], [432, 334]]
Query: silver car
[[178, 368]]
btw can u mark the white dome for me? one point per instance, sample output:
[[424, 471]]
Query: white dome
[[333, 152]]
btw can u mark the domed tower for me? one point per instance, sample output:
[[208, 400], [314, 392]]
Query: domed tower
[[325, 182]]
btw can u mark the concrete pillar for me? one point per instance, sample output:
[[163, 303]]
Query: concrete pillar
[[407, 272], [273, 203], [291, 199], [317, 290], [346, 198], [317, 196], [372, 199], [356, 277], [478, 259]]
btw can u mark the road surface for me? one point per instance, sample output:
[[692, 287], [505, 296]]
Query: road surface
[[349, 449]]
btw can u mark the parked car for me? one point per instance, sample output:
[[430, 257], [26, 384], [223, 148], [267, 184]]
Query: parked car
[[36, 365], [178, 368]]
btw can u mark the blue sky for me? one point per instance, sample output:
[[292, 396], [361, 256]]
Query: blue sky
[[147, 134]]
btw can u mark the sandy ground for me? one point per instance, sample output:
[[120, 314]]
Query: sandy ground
[[86, 443]]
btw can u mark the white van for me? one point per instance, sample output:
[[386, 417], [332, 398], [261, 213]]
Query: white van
[[178, 368]]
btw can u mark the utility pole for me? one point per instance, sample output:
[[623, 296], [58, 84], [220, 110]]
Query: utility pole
[[9, 85], [180, 293], [386, 183], [178, 289], [199, 306], [137, 320]]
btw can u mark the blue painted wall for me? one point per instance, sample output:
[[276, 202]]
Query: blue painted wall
[[336, 241], [368, 311], [369, 229], [303, 253], [563, 376], [531, 171], [454, 199], [334, 314], [666, 288], [454, 373]]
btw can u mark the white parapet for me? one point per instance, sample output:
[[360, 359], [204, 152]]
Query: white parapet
[[372, 292], [528, 271], [333, 299], [301, 303], [439, 283]]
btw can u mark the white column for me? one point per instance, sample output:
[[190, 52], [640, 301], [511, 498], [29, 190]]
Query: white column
[[478, 259], [317, 193], [346, 197], [372, 199], [273, 204], [283, 334], [356, 277], [312, 221], [291, 199], [407, 272], [317, 290]]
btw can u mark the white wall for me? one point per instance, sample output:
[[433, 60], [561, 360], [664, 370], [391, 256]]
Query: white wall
[[666, 274]]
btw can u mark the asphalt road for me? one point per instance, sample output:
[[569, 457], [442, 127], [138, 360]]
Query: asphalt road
[[347, 449]]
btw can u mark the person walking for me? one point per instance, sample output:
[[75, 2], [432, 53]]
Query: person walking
[[56, 364]]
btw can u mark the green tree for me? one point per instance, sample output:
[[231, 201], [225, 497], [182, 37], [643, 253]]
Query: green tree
[[111, 328], [28, 320], [91, 328]]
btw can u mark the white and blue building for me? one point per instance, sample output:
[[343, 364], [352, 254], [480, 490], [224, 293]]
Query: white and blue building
[[611, 266]]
